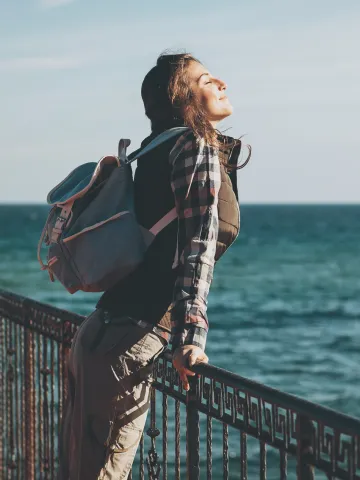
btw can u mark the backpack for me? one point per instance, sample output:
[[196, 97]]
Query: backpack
[[92, 236]]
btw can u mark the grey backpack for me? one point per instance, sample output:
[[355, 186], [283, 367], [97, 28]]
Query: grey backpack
[[92, 236]]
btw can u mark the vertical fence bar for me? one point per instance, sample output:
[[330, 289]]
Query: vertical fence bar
[[45, 410], [63, 361], [52, 410], [59, 395], [39, 404], [11, 464], [20, 421], [2, 393], [165, 434], [226, 451], [2, 396], [29, 403], [152, 459], [305, 434], [209, 447], [17, 402], [192, 431], [262, 460], [177, 440], [283, 465], [24, 399], [64, 373], [11, 460], [283, 453], [6, 400], [243, 456]]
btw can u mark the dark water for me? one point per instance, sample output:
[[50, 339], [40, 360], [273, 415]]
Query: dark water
[[284, 307]]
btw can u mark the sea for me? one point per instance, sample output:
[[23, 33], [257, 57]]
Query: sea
[[284, 305]]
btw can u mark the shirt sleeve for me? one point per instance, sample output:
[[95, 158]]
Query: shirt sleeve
[[195, 181]]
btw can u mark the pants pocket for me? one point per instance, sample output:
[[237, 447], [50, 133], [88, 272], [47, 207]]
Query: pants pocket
[[118, 444], [149, 349], [152, 348], [109, 336], [127, 438], [116, 439]]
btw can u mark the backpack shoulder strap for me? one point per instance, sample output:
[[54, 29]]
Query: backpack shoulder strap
[[164, 222], [163, 137]]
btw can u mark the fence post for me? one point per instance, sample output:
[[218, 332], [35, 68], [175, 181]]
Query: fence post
[[305, 434], [192, 431], [29, 397]]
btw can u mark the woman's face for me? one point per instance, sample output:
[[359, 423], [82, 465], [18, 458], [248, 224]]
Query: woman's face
[[210, 91]]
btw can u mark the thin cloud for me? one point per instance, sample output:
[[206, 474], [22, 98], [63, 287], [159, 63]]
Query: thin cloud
[[55, 3], [40, 63]]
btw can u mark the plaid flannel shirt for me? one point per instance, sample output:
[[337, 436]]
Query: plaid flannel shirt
[[196, 181]]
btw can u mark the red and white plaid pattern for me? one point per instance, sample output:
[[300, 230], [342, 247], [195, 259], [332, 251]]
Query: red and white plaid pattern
[[196, 181]]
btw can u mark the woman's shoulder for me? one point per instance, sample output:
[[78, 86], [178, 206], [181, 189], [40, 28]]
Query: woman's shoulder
[[189, 144], [188, 136]]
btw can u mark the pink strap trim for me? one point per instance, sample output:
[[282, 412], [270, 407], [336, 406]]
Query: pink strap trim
[[61, 221], [42, 237], [164, 222], [96, 225]]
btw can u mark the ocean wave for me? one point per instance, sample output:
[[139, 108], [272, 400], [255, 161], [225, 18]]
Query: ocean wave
[[280, 309], [311, 309]]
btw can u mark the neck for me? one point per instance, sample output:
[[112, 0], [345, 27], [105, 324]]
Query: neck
[[214, 123]]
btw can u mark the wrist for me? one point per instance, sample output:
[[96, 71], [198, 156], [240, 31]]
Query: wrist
[[194, 335]]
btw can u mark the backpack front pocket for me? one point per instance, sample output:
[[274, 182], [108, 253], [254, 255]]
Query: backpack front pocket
[[108, 251], [62, 266]]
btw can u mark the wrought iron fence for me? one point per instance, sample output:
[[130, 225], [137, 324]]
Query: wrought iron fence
[[271, 431]]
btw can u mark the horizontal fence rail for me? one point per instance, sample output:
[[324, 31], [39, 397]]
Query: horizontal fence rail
[[225, 427]]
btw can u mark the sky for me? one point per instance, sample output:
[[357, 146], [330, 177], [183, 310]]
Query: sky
[[71, 72]]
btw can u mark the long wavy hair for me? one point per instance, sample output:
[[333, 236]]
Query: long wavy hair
[[170, 102]]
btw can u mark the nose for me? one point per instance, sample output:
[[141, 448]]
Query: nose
[[222, 84]]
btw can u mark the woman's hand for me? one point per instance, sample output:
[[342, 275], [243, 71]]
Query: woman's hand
[[188, 354]]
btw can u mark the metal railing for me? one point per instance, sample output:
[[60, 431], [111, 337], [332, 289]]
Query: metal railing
[[271, 431]]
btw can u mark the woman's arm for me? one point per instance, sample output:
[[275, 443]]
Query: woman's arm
[[195, 181]]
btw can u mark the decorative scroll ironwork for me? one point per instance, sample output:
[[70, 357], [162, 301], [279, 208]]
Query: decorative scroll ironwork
[[318, 436], [34, 341], [152, 460]]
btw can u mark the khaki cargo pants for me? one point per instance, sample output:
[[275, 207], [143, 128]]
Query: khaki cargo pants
[[110, 374]]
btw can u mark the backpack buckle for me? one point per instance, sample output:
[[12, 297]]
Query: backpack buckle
[[61, 222]]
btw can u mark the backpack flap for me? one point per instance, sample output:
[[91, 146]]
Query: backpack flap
[[80, 180]]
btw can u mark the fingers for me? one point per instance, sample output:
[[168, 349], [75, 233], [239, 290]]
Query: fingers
[[188, 355], [195, 358], [183, 374], [185, 381]]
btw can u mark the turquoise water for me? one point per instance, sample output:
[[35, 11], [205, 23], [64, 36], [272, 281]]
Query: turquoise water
[[284, 307]]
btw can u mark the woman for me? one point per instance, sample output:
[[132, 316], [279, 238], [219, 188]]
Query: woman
[[114, 349]]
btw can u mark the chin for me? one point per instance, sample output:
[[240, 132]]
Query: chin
[[227, 111], [221, 114]]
